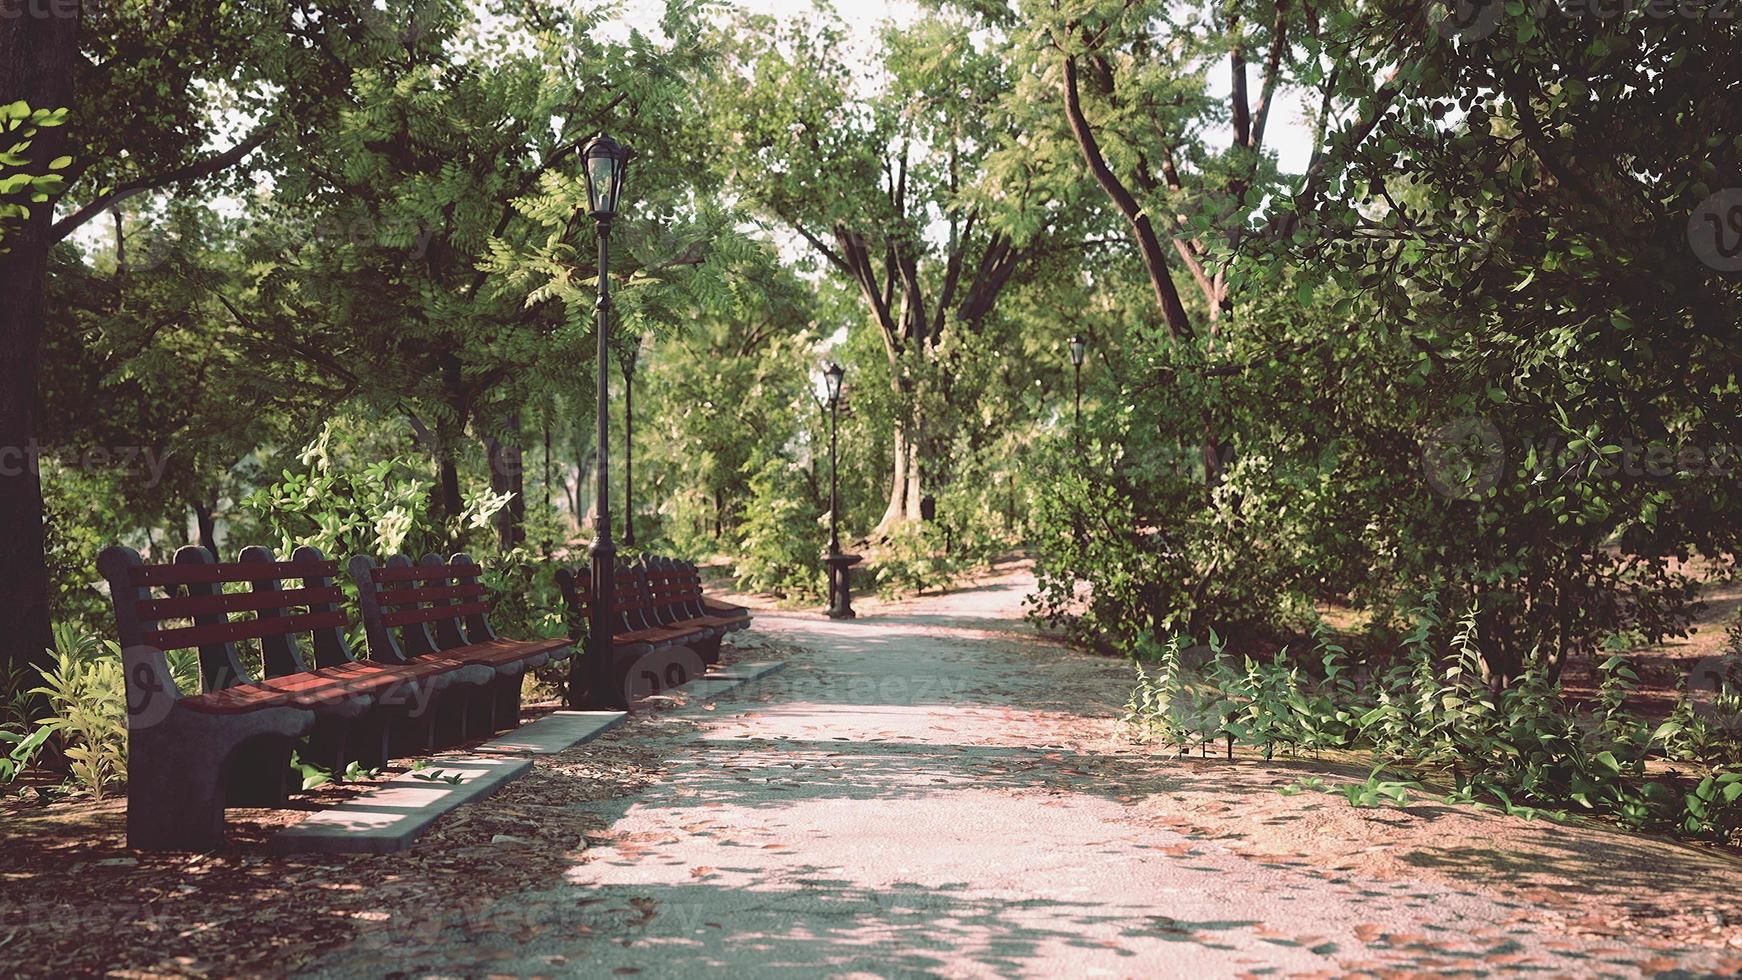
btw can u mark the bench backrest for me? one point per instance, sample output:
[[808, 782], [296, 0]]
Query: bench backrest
[[667, 590], [192, 588], [414, 609]]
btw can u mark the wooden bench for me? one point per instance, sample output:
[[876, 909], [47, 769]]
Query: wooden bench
[[191, 755], [665, 634], [674, 597], [705, 605], [438, 612], [649, 657]]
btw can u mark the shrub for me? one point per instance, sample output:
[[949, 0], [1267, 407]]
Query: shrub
[[86, 693], [914, 558], [1429, 714], [380, 509], [775, 554]]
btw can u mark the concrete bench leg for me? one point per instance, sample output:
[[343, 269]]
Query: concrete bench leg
[[508, 691], [259, 772], [412, 734], [710, 650], [369, 739], [180, 766], [329, 745], [451, 710]]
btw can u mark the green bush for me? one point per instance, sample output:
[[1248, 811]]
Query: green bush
[[914, 558], [776, 555], [1430, 714], [86, 723], [379, 509]]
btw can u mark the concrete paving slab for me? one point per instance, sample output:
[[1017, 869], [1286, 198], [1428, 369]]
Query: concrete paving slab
[[708, 687], [555, 732], [749, 671], [394, 814]]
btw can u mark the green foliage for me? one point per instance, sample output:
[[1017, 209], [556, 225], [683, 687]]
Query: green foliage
[[525, 602], [87, 698], [913, 558], [781, 546], [381, 508], [20, 739], [1525, 749], [23, 185]]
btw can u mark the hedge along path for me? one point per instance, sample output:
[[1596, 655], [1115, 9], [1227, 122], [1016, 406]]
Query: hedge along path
[[935, 788]]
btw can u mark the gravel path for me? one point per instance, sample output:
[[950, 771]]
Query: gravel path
[[932, 789]]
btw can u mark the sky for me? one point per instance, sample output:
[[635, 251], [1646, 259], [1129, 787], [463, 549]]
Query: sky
[[1288, 132]]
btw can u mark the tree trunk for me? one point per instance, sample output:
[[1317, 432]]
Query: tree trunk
[[208, 528], [36, 62], [449, 470], [507, 476]]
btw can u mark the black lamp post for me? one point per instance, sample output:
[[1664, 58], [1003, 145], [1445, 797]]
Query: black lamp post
[[1078, 347], [840, 566], [832, 379], [626, 360], [606, 161]]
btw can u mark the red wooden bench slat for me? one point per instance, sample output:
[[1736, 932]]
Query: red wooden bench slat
[[425, 573], [406, 617], [230, 572], [187, 606], [247, 629], [430, 593]]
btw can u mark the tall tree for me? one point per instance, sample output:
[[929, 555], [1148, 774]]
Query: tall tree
[[37, 56], [881, 184], [147, 78]]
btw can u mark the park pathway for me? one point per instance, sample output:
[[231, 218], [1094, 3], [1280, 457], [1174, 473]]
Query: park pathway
[[915, 795]]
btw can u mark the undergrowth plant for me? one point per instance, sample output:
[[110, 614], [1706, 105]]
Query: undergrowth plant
[[86, 696], [1428, 715]]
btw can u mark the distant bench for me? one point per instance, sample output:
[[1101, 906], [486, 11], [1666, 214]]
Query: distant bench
[[667, 631], [437, 675]]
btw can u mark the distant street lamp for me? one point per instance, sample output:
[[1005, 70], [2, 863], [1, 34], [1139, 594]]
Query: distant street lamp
[[626, 360], [832, 379], [606, 162], [1078, 347], [840, 574]]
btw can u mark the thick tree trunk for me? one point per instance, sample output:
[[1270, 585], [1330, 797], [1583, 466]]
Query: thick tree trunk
[[906, 487], [207, 524], [36, 65], [507, 476], [448, 478]]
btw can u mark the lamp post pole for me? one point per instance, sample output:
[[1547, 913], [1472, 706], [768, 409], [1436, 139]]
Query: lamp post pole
[[1078, 347], [839, 565], [628, 364], [603, 552], [604, 163], [834, 477]]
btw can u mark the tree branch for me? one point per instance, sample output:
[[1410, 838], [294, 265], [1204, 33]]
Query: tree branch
[[197, 170]]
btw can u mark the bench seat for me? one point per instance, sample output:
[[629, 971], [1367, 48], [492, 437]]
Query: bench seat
[[236, 700], [436, 611]]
